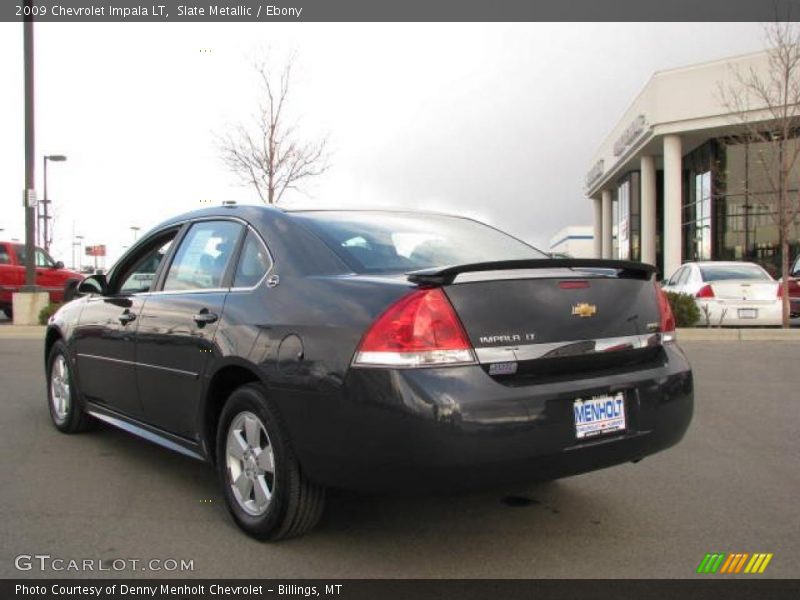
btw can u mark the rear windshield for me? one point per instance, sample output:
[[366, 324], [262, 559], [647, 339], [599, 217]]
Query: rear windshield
[[721, 272], [382, 242]]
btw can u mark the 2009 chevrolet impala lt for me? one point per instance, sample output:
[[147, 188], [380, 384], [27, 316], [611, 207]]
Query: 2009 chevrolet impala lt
[[370, 350]]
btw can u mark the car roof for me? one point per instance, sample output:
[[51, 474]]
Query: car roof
[[257, 211]]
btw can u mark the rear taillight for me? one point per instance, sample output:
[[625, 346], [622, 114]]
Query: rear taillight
[[705, 292], [780, 289], [667, 319], [418, 330]]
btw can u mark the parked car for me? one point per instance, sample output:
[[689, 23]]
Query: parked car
[[730, 293], [794, 289], [370, 350], [51, 275]]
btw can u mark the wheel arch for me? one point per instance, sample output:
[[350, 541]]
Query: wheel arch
[[225, 379], [52, 335]]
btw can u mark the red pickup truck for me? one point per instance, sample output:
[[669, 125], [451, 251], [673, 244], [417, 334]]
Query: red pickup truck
[[51, 276]]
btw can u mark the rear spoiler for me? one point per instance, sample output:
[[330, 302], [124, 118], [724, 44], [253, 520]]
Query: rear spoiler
[[625, 269]]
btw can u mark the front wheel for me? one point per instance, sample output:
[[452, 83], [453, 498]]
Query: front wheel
[[65, 407], [264, 488]]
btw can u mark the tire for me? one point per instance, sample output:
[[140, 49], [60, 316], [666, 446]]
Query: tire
[[9, 313], [273, 499], [63, 398]]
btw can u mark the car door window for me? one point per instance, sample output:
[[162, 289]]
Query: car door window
[[141, 275], [254, 262], [43, 259], [4, 259], [203, 256]]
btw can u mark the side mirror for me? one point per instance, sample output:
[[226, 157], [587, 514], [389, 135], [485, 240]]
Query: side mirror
[[94, 284], [59, 265]]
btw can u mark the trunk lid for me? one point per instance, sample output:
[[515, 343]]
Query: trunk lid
[[550, 318], [745, 289]]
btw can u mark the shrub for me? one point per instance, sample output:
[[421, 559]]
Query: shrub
[[48, 312], [684, 308]]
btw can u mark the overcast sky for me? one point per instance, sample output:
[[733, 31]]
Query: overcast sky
[[498, 121]]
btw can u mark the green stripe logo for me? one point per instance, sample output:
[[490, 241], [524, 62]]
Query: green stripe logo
[[734, 563]]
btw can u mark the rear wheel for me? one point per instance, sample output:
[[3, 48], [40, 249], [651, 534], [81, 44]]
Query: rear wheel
[[65, 407], [8, 312], [265, 490]]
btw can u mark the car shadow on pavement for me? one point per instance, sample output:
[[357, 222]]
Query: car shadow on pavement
[[515, 510]]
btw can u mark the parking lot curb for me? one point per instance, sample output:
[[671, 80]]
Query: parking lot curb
[[737, 335]]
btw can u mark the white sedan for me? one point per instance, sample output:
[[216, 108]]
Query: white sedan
[[729, 293]]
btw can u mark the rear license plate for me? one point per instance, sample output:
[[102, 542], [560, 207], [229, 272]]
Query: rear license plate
[[599, 415], [748, 313]]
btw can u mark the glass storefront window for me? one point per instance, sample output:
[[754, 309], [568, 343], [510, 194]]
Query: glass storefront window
[[623, 220], [628, 218], [745, 216]]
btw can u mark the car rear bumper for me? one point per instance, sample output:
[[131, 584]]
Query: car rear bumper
[[456, 427], [794, 306], [728, 312]]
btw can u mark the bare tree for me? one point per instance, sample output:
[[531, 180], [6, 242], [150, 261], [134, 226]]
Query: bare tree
[[268, 153], [766, 103]]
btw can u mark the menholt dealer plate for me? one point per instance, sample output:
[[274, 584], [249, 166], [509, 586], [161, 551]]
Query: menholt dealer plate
[[599, 415]]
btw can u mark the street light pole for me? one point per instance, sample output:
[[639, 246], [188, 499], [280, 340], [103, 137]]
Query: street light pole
[[45, 240], [79, 244], [135, 231], [30, 259]]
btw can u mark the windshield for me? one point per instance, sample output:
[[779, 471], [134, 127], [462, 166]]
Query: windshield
[[385, 242], [744, 271]]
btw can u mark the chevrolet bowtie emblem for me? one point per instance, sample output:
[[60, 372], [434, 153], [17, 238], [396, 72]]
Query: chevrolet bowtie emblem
[[584, 310]]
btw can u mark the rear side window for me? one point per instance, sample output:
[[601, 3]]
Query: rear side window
[[4, 258], [203, 256], [676, 277], [254, 262]]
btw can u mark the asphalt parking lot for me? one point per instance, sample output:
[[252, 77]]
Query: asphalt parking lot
[[732, 485]]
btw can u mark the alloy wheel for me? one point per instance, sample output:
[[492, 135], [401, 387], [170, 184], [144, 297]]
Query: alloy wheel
[[251, 463], [60, 393]]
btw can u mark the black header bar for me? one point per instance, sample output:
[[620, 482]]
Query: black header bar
[[749, 588], [229, 11]]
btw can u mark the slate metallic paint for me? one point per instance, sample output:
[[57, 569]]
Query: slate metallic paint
[[367, 428]]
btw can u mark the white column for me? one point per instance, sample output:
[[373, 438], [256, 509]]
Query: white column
[[607, 224], [597, 204], [648, 210], [672, 203]]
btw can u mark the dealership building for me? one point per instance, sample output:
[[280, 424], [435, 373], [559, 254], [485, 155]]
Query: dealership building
[[676, 180]]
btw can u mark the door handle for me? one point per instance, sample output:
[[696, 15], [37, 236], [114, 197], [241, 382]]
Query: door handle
[[126, 317], [204, 317]]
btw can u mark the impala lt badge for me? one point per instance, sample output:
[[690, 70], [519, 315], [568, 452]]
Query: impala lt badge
[[583, 309]]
